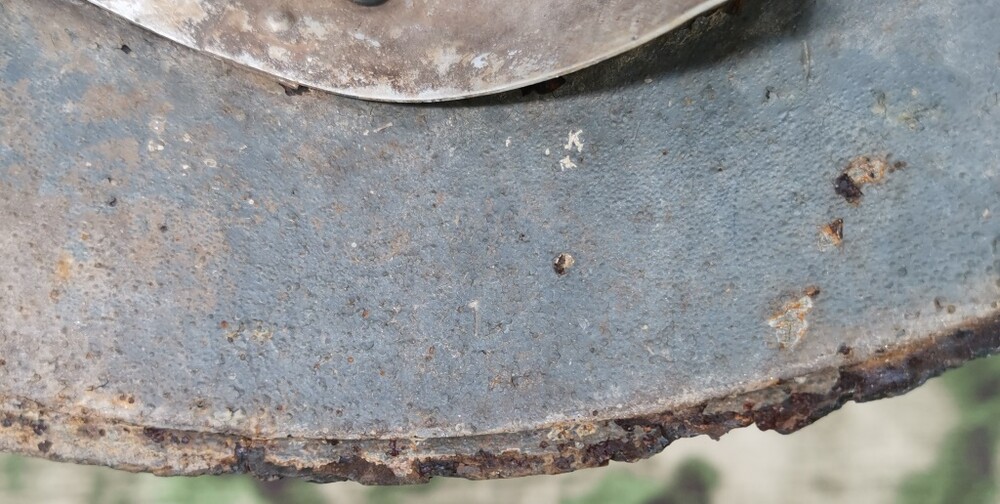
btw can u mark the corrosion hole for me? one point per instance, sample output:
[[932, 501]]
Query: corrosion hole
[[294, 90], [393, 449], [563, 263], [163, 228], [126, 49], [845, 187], [864, 170], [834, 231], [544, 87], [844, 349], [44, 446], [113, 202]]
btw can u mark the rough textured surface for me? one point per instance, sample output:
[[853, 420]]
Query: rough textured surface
[[206, 272], [412, 50]]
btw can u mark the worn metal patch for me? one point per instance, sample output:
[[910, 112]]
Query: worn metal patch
[[411, 50]]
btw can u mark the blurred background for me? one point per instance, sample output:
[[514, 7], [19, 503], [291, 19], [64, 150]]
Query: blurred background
[[937, 444]]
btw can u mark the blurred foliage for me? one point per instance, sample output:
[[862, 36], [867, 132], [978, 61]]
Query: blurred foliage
[[965, 470], [692, 483]]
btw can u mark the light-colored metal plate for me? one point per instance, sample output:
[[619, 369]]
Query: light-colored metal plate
[[412, 50]]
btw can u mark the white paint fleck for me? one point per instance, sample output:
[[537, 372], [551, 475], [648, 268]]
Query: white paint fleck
[[278, 21], [211, 163], [566, 164], [474, 305], [547, 152], [157, 124], [444, 59], [481, 61], [648, 80], [367, 40], [277, 53], [574, 141], [313, 28], [354, 244], [790, 326], [153, 146], [508, 142], [383, 127]]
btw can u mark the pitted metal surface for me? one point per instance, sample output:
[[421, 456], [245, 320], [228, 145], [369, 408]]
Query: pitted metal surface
[[769, 213], [412, 50]]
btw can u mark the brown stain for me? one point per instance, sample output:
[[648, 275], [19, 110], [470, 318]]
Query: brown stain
[[64, 267], [834, 232], [563, 263], [125, 150], [861, 171], [103, 103], [790, 323]]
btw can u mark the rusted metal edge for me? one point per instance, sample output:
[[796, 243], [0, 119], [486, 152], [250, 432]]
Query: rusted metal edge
[[785, 406]]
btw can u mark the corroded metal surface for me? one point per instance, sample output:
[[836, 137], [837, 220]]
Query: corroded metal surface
[[752, 220], [412, 50]]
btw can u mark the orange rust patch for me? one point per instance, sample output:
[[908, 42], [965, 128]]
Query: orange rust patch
[[861, 171], [64, 267], [834, 231], [790, 324]]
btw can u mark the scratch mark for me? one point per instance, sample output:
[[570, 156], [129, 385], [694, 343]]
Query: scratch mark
[[806, 59], [566, 164], [475, 311], [574, 141]]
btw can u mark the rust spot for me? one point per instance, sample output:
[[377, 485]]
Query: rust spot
[[430, 353], [845, 187], [64, 267], [562, 263], [393, 449], [861, 171], [942, 305], [156, 435], [790, 324], [364, 313], [350, 360], [834, 231]]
